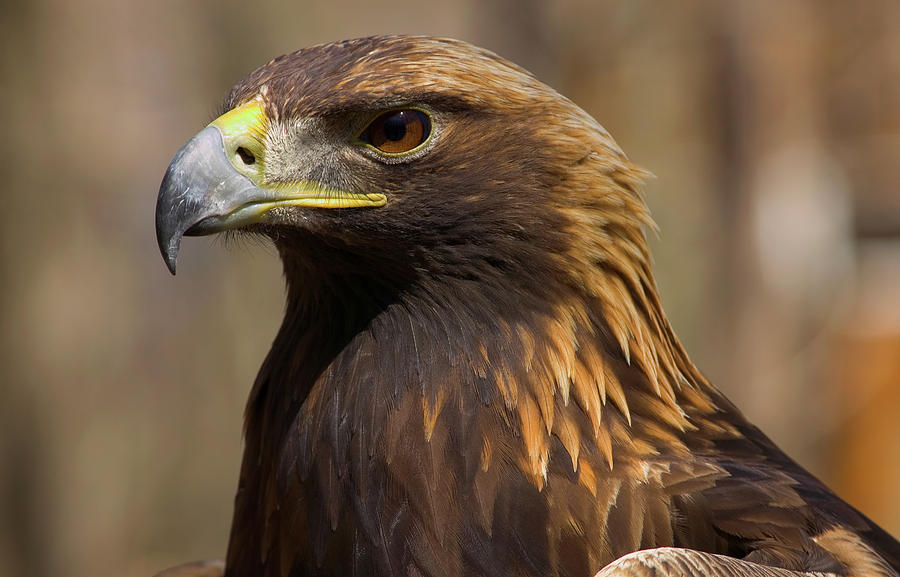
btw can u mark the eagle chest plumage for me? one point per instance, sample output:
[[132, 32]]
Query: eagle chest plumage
[[446, 431]]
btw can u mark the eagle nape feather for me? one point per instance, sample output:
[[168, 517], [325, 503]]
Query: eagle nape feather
[[474, 375]]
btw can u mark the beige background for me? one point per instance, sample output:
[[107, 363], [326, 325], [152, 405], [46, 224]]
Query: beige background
[[773, 128]]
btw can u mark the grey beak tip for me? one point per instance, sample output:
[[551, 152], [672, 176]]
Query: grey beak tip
[[168, 241], [171, 259]]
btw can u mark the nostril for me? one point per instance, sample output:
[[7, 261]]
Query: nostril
[[246, 156]]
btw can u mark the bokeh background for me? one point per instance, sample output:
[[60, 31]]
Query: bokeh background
[[773, 128]]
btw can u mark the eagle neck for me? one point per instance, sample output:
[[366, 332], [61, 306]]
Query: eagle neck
[[357, 343]]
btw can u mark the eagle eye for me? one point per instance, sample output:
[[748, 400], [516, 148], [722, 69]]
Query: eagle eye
[[398, 131]]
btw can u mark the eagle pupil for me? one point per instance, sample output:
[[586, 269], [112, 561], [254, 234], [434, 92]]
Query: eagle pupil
[[395, 127]]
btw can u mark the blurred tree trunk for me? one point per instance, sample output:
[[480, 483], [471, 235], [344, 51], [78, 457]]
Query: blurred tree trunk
[[23, 435]]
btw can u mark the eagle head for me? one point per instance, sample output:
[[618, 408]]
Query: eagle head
[[408, 155]]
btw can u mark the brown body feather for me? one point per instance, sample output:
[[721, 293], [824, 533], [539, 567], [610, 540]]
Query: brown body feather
[[479, 379]]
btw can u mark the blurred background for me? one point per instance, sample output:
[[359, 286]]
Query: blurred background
[[773, 129]]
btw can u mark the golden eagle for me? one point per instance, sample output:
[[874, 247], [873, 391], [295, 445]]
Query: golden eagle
[[474, 375]]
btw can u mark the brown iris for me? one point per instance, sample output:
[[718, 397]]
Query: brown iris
[[398, 131]]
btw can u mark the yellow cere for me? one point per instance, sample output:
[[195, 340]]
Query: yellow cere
[[243, 133], [245, 120], [244, 127]]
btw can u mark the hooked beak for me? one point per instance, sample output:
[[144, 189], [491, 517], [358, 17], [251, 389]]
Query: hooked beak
[[217, 182]]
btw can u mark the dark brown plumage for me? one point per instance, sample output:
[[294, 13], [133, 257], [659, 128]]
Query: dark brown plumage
[[474, 375]]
